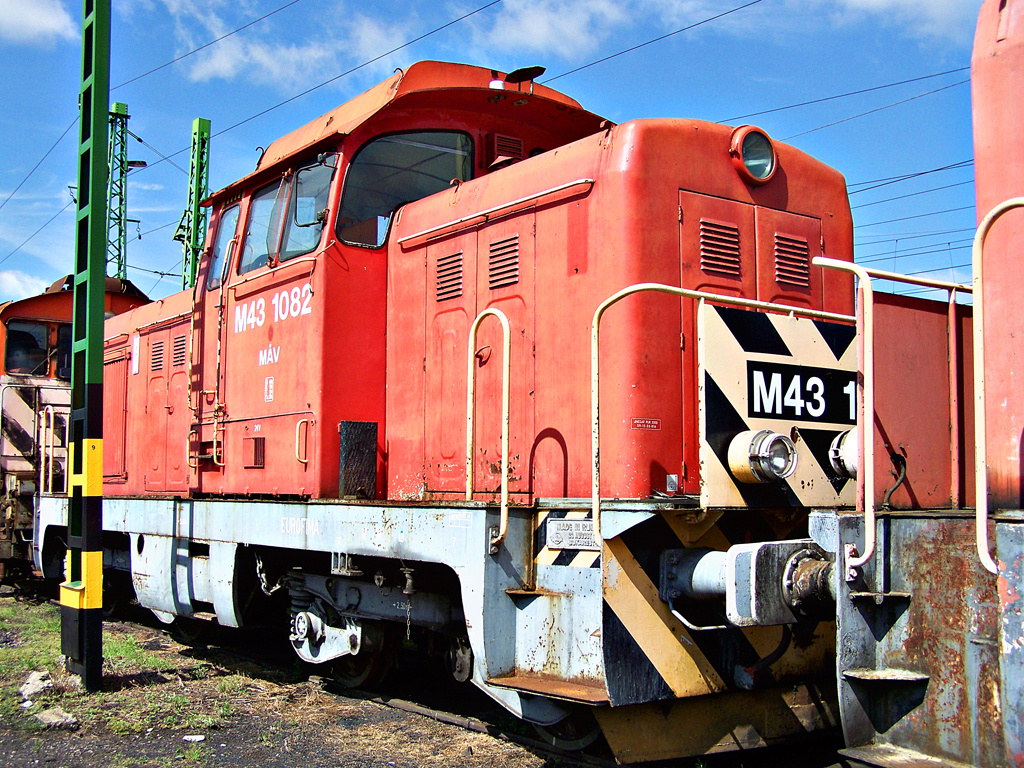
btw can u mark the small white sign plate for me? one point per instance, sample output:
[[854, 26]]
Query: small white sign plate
[[571, 534]]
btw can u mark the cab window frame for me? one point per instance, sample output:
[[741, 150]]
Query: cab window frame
[[221, 251], [383, 232], [21, 360], [275, 205]]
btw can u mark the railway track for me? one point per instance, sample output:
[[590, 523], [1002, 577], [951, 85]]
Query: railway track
[[419, 688]]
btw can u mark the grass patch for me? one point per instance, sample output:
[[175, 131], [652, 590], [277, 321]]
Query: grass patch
[[146, 684]]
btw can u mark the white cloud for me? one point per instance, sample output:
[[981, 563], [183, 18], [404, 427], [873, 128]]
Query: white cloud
[[16, 285], [576, 29], [36, 22], [568, 28]]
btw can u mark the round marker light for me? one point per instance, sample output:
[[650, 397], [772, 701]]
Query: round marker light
[[762, 457], [844, 453], [753, 154]]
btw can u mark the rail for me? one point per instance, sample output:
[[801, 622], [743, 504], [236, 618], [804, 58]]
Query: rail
[[685, 293], [499, 537], [866, 420], [980, 452]]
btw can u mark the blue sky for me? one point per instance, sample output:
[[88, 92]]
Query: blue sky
[[772, 54]]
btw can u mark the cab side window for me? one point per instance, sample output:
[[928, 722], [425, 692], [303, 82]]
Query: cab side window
[[286, 218], [64, 351], [222, 243], [27, 348], [393, 170]]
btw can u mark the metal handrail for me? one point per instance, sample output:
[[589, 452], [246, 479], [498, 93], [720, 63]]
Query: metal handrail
[[685, 293], [497, 539], [980, 454], [47, 444], [866, 331]]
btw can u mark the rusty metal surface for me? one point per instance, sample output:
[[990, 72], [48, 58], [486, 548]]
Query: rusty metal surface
[[1010, 551], [919, 655], [712, 724]]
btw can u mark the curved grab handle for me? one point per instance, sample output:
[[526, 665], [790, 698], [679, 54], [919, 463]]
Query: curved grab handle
[[298, 427], [980, 454]]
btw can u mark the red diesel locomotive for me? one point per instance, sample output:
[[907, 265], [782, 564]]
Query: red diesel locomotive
[[468, 366]]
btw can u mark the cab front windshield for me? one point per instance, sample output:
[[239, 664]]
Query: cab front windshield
[[31, 346], [394, 170]]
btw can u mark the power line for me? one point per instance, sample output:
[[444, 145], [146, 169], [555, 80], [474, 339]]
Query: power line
[[877, 109], [649, 42], [139, 77], [156, 151], [344, 74], [157, 229], [894, 237], [913, 194], [206, 45], [167, 158], [844, 95], [917, 216], [875, 258], [26, 240], [34, 167], [906, 176], [154, 271]]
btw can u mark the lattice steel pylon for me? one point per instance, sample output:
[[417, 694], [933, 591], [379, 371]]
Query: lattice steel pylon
[[191, 231], [117, 193]]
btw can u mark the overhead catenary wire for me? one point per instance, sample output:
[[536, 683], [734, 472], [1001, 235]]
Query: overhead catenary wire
[[913, 194], [167, 158], [877, 109], [27, 239], [74, 122], [650, 42], [156, 151], [347, 72], [876, 183], [915, 216], [894, 236], [204, 46], [844, 95]]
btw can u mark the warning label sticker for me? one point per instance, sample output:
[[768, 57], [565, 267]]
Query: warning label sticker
[[653, 425]]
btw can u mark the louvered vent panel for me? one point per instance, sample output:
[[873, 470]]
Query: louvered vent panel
[[254, 452], [792, 260], [503, 266], [508, 146], [156, 355], [720, 248], [180, 352], [449, 276]]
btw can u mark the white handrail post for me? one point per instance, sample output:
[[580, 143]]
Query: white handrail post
[[499, 537]]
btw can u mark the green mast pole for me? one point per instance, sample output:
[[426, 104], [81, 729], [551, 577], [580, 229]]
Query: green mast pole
[[81, 594], [117, 196], [191, 229]]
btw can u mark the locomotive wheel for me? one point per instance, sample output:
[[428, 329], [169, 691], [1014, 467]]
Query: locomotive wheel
[[371, 665], [576, 731]]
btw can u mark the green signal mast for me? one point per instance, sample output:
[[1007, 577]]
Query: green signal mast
[[191, 231], [117, 193]]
